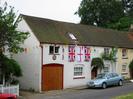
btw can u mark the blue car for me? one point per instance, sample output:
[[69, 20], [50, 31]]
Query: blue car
[[106, 79]]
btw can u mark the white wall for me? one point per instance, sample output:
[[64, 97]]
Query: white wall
[[69, 80], [30, 60]]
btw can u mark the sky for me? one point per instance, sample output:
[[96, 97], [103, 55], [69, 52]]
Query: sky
[[61, 10]]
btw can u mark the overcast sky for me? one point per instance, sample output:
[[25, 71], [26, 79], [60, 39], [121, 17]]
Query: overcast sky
[[62, 10]]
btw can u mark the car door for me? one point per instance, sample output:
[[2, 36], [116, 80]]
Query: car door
[[115, 78], [110, 79]]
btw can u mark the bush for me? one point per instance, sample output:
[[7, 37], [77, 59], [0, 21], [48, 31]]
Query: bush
[[9, 68], [97, 62], [131, 65]]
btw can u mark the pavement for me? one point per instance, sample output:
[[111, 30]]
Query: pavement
[[54, 93], [27, 94]]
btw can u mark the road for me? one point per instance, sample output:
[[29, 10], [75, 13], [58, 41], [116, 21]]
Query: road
[[85, 93]]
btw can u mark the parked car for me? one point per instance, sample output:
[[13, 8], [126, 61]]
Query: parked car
[[106, 79], [7, 96]]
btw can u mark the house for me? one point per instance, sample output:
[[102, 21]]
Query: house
[[57, 55]]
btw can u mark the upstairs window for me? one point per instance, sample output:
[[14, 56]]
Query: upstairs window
[[124, 53], [53, 49], [106, 51]]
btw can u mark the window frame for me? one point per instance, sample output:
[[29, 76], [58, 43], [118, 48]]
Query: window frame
[[106, 51], [55, 49], [124, 70], [124, 53], [79, 69], [106, 71]]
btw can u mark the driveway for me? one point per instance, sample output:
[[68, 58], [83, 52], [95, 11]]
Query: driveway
[[82, 93]]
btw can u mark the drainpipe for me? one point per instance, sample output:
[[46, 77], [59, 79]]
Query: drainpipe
[[41, 63]]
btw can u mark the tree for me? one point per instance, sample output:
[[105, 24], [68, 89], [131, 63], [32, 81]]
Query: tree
[[131, 69], [110, 56], [123, 24], [10, 37], [10, 40], [104, 12], [97, 62], [9, 68], [131, 65]]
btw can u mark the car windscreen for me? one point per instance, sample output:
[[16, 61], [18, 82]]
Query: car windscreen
[[99, 76]]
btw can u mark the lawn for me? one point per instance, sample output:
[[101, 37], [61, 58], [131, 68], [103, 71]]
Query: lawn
[[128, 96]]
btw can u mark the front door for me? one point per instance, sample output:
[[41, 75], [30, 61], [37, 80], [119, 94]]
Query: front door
[[94, 73]]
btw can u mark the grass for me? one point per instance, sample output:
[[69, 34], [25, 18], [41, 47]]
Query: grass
[[128, 96]]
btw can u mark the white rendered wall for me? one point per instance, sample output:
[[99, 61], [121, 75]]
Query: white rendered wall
[[69, 80], [30, 61]]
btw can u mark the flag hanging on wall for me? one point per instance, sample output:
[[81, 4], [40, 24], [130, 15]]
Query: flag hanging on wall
[[87, 53], [80, 53], [71, 53]]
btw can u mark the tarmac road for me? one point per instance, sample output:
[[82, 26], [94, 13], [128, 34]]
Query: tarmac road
[[83, 93]]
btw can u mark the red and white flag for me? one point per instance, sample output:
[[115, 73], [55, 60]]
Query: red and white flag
[[80, 53], [71, 54], [87, 53]]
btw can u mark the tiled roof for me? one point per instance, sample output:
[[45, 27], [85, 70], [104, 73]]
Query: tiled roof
[[50, 31]]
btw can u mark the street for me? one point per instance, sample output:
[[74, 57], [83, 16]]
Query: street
[[84, 93]]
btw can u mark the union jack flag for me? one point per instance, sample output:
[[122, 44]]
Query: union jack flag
[[87, 53], [80, 53], [71, 55]]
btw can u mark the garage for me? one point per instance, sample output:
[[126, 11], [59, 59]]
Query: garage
[[52, 77]]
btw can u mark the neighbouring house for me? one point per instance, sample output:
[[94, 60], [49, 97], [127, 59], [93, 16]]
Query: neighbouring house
[[57, 55]]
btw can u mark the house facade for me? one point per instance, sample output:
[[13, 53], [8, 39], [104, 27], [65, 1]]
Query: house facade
[[58, 55]]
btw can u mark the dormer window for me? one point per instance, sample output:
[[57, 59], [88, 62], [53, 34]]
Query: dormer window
[[72, 36]]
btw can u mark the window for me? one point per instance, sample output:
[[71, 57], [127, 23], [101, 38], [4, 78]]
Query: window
[[124, 53], [124, 66], [53, 49], [106, 51], [115, 75], [106, 69], [72, 36], [79, 70]]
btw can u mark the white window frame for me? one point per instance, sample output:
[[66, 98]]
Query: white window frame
[[124, 53], [54, 51], [106, 50], [106, 69], [79, 68], [124, 68]]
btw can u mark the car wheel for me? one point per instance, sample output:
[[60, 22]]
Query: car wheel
[[104, 85], [120, 83]]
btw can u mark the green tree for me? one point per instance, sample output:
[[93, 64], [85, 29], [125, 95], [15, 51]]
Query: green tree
[[97, 62], [105, 12], [131, 69], [111, 56], [10, 68], [10, 40], [10, 36], [131, 65], [123, 24]]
